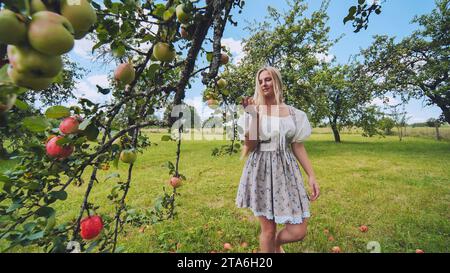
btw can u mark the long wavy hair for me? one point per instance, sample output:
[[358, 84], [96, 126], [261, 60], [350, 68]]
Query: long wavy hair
[[258, 96]]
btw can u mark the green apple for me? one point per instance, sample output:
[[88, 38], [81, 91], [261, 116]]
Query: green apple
[[128, 156], [7, 101], [81, 15], [182, 16], [125, 73], [26, 60], [13, 31], [28, 81], [163, 52], [222, 83], [37, 6], [50, 33]]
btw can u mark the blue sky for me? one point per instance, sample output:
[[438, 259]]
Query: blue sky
[[393, 21]]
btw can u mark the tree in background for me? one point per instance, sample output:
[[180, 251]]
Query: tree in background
[[436, 123], [418, 65]]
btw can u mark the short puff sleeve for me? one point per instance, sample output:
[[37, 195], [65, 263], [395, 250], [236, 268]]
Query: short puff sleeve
[[302, 126]]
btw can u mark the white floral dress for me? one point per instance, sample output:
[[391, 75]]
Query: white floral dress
[[271, 184]]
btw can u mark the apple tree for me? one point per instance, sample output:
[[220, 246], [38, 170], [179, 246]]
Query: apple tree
[[418, 65]]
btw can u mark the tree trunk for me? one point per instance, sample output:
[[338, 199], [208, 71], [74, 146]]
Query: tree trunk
[[438, 137], [337, 137], [400, 132]]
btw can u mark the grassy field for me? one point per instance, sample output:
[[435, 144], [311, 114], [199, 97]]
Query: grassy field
[[400, 190]]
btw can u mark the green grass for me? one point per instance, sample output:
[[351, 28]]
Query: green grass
[[400, 190]]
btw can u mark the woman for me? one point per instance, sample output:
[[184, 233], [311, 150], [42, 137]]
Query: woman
[[271, 184]]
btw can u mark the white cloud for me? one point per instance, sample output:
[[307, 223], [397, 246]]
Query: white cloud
[[236, 48], [101, 80], [87, 89], [324, 57], [83, 48]]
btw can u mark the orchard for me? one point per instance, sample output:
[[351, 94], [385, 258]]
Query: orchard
[[64, 141]]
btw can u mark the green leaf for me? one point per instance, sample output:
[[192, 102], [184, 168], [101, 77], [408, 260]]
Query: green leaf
[[351, 11], [57, 112], [35, 124], [62, 141], [83, 125], [152, 70], [15, 205], [91, 132], [112, 175], [4, 78], [361, 2], [159, 10], [61, 195], [51, 221], [22, 105], [168, 14], [45, 212], [170, 165], [36, 236], [116, 161], [104, 91], [209, 56]]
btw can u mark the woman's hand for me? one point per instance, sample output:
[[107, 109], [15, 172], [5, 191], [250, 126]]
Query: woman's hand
[[314, 188], [249, 105]]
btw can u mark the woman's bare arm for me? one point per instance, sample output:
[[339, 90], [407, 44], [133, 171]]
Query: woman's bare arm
[[302, 156], [300, 153]]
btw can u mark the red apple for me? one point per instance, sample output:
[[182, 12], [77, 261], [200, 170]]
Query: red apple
[[224, 59], [212, 102], [336, 249], [227, 246], [69, 125], [175, 182], [56, 151], [91, 227], [183, 32], [363, 228], [125, 73]]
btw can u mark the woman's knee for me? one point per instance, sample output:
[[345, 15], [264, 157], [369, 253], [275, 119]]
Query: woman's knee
[[268, 229], [298, 232]]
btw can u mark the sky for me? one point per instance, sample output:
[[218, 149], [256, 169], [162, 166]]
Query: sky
[[394, 20]]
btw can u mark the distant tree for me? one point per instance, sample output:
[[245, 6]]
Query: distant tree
[[387, 124], [400, 119], [436, 123]]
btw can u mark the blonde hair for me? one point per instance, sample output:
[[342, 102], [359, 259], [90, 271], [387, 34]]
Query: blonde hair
[[259, 98]]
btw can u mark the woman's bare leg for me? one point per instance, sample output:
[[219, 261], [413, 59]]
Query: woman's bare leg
[[290, 233], [268, 233]]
